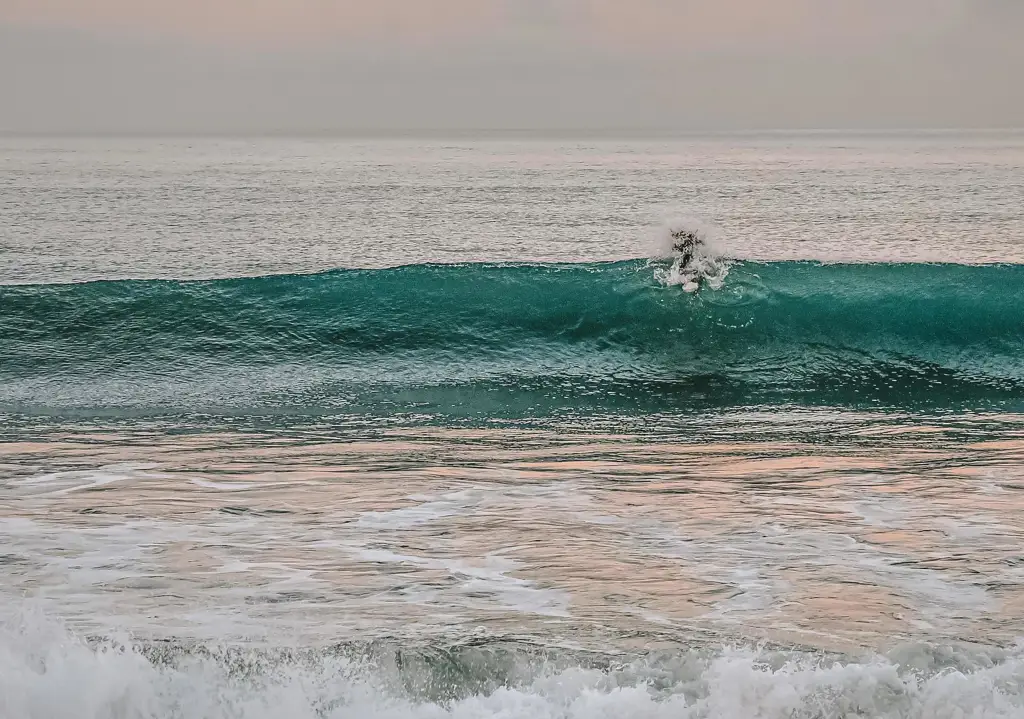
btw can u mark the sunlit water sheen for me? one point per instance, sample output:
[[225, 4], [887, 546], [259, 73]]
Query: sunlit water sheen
[[519, 491]]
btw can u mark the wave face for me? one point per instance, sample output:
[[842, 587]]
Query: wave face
[[519, 341]]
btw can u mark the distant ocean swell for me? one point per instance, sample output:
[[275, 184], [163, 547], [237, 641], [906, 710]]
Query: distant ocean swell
[[519, 341]]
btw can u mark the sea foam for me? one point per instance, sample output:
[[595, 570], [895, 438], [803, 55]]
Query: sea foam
[[47, 672]]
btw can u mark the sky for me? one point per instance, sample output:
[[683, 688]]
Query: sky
[[338, 66]]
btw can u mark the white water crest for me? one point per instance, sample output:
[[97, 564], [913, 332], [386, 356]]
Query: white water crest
[[47, 672]]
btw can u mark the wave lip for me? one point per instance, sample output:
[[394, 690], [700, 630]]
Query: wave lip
[[520, 340]]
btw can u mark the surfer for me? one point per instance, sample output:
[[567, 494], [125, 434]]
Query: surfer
[[685, 242]]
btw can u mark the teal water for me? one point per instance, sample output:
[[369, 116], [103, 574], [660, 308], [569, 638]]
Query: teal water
[[520, 341]]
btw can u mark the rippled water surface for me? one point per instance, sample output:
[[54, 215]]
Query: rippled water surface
[[104, 208], [833, 529]]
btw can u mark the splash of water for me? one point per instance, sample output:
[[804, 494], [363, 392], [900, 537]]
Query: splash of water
[[702, 263]]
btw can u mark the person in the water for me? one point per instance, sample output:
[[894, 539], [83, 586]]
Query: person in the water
[[685, 242]]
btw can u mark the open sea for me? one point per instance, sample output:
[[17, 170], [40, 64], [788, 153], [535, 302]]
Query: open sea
[[397, 429]]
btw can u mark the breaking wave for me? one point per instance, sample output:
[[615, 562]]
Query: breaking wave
[[49, 673]]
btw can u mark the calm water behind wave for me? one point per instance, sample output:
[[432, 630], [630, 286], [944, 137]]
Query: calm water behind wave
[[78, 209]]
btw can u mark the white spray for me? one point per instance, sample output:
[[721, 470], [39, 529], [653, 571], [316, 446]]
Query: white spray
[[694, 249]]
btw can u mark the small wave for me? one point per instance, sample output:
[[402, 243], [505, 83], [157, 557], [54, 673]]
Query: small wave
[[48, 673]]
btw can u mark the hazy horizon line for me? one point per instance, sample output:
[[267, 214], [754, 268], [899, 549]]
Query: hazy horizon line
[[425, 133]]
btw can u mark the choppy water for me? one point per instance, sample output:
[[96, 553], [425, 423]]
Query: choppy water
[[259, 459]]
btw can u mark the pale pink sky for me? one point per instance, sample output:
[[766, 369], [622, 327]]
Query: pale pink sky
[[637, 23], [283, 21], [336, 65]]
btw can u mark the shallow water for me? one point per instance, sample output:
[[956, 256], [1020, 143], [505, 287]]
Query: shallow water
[[556, 490]]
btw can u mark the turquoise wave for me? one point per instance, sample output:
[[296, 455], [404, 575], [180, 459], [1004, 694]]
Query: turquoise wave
[[528, 340]]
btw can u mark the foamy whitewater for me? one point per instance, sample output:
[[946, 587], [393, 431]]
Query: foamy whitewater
[[47, 673], [448, 429]]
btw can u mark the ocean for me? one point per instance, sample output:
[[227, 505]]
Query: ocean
[[415, 429]]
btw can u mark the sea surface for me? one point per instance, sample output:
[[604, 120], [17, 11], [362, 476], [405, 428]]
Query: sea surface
[[418, 429]]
